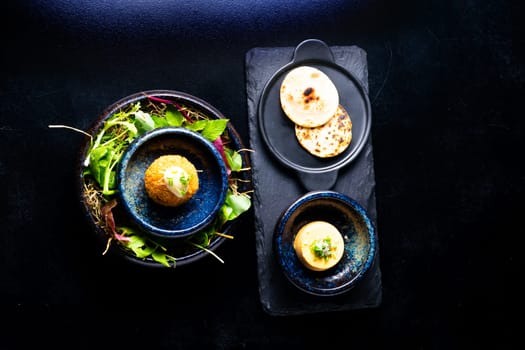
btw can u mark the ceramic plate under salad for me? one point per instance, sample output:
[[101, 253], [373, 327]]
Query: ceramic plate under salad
[[113, 132]]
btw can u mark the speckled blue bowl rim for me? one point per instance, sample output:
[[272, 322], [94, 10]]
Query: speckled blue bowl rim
[[100, 234], [142, 221], [297, 205]]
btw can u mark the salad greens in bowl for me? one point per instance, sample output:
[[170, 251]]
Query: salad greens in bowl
[[109, 138]]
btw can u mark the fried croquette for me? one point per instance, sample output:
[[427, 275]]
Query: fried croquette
[[171, 180]]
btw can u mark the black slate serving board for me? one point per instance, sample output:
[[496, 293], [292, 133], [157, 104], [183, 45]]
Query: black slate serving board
[[276, 187]]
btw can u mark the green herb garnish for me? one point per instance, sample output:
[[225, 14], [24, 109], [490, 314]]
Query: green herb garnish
[[322, 248], [184, 180]]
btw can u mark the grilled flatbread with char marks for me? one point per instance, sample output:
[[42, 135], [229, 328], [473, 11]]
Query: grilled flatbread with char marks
[[308, 96], [330, 139]]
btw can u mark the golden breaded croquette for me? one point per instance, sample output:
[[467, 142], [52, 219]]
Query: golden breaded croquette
[[171, 180]]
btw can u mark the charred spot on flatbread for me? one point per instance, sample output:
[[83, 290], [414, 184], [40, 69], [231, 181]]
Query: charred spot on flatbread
[[309, 96], [330, 139]]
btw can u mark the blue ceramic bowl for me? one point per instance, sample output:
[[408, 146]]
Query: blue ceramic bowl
[[190, 217], [352, 221]]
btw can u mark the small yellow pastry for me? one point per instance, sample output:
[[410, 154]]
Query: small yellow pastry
[[319, 245]]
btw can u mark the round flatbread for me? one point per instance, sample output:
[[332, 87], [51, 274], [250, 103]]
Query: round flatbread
[[308, 96], [329, 139]]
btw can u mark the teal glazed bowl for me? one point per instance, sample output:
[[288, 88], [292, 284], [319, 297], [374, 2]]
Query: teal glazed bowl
[[354, 224], [190, 217]]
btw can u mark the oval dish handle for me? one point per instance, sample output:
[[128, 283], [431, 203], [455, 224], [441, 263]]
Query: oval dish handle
[[312, 49], [318, 181]]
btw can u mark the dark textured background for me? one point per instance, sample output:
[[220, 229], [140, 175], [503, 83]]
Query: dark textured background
[[446, 79]]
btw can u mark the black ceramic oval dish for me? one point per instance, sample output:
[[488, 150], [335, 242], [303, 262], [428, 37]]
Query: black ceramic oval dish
[[184, 256], [278, 132]]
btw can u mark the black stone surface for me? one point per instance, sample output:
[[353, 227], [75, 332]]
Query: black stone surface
[[276, 187], [446, 81]]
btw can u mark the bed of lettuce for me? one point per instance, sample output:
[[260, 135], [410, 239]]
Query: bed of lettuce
[[105, 151]]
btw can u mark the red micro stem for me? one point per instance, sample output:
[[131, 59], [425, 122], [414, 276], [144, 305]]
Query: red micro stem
[[107, 213], [220, 147], [179, 108]]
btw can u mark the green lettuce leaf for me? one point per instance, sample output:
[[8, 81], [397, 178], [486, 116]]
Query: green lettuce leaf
[[144, 122], [138, 245], [234, 159], [174, 117], [214, 128], [159, 121], [236, 204]]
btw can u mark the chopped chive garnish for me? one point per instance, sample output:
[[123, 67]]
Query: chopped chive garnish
[[322, 248]]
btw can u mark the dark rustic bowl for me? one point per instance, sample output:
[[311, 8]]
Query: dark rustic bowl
[[192, 216], [352, 221], [186, 255]]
